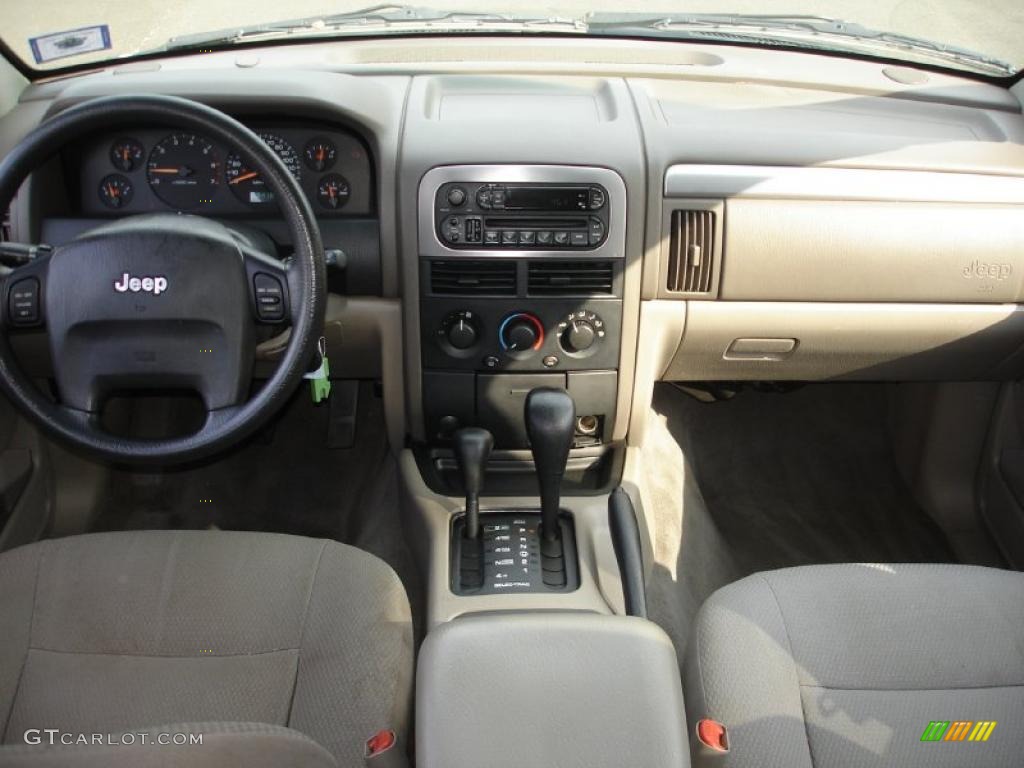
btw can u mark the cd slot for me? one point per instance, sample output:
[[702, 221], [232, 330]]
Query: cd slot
[[523, 222]]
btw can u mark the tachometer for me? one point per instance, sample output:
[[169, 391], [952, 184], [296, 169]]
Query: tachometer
[[248, 184], [183, 170]]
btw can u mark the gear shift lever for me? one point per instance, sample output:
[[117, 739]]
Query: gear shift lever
[[550, 423], [472, 447]]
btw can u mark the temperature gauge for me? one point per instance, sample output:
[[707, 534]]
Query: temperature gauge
[[333, 191], [126, 154], [320, 155], [115, 191]]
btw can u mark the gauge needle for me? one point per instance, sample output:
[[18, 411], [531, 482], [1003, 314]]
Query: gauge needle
[[244, 177], [182, 171]]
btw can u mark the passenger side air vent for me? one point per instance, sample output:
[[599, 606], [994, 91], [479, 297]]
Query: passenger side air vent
[[691, 252], [570, 278], [473, 278]]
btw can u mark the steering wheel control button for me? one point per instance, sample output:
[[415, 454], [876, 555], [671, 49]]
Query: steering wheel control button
[[23, 302], [269, 298]]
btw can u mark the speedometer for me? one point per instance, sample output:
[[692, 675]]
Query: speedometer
[[248, 184], [183, 170]]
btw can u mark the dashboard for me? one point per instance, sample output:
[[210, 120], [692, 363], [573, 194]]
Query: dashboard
[[699, 213], [149, 170]]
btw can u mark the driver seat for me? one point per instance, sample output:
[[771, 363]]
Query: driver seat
[[281, 650]]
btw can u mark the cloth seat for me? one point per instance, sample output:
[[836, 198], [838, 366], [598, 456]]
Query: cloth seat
[[850, 665], [122, 632]]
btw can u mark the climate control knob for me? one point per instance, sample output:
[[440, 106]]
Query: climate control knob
[[460, 331], [521, 332], [578, 337], [580, 332]]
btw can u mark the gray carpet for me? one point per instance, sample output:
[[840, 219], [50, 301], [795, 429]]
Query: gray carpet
[[286, 480], [769, 480], [806, 476]]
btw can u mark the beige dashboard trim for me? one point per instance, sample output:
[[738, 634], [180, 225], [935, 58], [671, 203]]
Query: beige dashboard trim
[[815, 183]]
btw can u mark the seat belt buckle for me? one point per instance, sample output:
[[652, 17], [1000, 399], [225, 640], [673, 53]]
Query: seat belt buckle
[[383, 751], [713, 735]]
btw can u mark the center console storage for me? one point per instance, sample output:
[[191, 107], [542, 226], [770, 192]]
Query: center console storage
[[547, 690]]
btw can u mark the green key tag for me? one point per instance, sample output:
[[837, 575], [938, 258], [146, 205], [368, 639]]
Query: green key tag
[[320, 379]]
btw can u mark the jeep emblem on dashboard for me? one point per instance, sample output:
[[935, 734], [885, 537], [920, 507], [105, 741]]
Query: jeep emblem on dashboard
[[983, 270], [155, 285]]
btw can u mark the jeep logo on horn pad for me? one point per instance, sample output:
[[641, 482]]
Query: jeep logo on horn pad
[[155, 285]]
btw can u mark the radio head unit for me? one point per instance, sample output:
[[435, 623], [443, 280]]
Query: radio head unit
[[521, 216]]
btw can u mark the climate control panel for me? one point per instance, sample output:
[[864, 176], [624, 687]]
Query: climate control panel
[[509, 334]]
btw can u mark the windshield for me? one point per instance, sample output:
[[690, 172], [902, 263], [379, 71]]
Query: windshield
[[982, 36]]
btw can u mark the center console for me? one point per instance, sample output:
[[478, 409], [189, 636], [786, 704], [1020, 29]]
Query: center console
[[549, 689], [521, 284]]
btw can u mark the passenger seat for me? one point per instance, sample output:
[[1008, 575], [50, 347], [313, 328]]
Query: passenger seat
[[859, 665]]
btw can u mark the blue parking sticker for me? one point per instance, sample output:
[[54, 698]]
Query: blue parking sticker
[[73, 42]]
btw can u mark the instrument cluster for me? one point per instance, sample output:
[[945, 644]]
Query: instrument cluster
[[149, 170]]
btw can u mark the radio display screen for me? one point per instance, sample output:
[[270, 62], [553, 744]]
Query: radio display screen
[[546, 198]]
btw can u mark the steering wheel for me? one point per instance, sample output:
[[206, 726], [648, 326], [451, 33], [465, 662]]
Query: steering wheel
[[160, 301]]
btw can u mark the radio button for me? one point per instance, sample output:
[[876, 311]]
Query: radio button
[[492, 237], [579, 238], [483, 198], [561, 238], [596, 198], [527, 238], [509, 237], [498, 198], [544, 238], [456, 196]]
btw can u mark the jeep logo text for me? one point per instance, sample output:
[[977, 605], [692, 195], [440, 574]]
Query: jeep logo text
[[993, 271], [155, 285]]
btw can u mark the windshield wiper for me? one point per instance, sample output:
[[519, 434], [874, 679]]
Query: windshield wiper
[[382, 17], [796, 30]]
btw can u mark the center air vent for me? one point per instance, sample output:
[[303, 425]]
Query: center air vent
[[570, 278], [473, 278], [691, 252]]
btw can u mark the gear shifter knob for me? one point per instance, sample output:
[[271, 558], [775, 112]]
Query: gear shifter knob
[[472, 447], [550, 423]]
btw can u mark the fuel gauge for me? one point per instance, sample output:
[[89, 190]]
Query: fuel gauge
[[116, 191], [333, 191], [320, 155], [126, 154]]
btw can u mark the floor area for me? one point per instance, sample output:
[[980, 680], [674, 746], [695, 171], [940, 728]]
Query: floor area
[[285, 479], [771, 479]]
